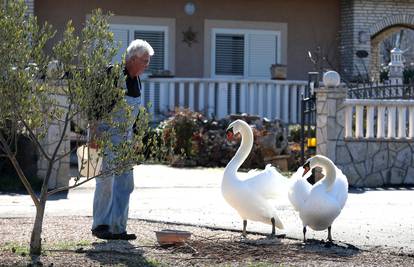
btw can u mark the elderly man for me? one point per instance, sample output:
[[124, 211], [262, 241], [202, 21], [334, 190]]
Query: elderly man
[[111, 198]]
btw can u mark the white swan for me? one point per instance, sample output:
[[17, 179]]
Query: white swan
[[320, 204], [252, 197]]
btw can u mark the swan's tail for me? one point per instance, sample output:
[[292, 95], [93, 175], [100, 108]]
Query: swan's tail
[[280, 183]]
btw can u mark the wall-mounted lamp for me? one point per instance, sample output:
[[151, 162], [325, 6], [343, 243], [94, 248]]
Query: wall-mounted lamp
[[189, 8]]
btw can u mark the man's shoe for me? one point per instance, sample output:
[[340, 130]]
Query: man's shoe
[[124, 236], [102, 232]]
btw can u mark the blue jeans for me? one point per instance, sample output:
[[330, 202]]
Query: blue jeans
[[111, 198]]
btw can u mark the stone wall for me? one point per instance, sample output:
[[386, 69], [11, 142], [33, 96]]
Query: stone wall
[[361, 21], [366, 162], [375, 163]]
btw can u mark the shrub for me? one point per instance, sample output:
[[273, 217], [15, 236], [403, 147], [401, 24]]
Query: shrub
[[408, 75], [294, 133], [188, 139], [179, 129], [384, 73]]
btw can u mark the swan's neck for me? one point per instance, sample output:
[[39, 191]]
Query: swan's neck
[[330, 172], [241, 154]]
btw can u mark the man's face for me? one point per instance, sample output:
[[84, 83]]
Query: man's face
[[140, 64]]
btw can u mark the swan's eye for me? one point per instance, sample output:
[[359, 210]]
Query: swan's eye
[[230, 135]]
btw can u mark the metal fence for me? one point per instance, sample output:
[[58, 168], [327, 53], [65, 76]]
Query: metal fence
[[381, 91]]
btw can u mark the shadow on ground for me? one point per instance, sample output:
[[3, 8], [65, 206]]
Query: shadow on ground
[[260, 249], [117, 253]]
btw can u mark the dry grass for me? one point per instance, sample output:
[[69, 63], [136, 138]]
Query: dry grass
[[68, 242]]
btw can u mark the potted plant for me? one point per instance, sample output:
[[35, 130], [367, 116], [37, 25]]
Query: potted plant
[[278, 72]]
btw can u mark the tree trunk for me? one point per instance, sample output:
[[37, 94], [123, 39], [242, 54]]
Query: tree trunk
[[36, 239]]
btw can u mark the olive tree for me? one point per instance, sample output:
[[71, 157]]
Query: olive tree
[[36, 96]]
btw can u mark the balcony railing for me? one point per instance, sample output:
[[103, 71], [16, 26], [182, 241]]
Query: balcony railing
[[383, 119], [273, 99]]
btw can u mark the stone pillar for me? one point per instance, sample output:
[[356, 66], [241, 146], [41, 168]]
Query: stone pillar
[[330, 115], [61, 169]]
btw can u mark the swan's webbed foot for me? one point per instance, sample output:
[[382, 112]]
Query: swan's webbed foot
[[304, 234], [329, 234], [273, 234]]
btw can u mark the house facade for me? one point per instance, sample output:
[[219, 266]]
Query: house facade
[[242, 38], [218, 54], [215, 38]]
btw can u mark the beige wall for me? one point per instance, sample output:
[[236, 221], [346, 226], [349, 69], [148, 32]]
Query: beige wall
[[309, 24]]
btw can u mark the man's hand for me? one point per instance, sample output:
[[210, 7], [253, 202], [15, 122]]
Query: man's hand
[[93, 144]]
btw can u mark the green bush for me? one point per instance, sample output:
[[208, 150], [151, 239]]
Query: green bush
[[178, 131], [189, 139], [294, 133], [408, 75]]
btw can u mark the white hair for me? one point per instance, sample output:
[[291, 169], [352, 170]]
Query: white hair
[[138, 48]]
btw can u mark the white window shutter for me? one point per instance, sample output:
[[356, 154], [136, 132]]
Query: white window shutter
[[121, 36], [229, 56], [262, 53]]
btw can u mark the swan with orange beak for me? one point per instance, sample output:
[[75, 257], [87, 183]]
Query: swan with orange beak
[[319, 204], [255, 197]]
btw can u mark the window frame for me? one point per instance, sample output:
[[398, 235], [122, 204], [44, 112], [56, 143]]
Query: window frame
[[245, 33]]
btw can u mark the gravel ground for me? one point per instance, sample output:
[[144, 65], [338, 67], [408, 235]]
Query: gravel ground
[[67, 242]]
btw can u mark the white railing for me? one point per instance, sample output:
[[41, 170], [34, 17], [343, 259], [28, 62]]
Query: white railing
[[384, 119], [219, 98]]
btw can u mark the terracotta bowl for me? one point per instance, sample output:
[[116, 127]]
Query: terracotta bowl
[[172, 237]]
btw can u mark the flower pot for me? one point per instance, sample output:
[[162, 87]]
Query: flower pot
[[278, 72], [172, 237]]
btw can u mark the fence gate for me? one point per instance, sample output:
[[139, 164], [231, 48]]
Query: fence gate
[[308, 116]]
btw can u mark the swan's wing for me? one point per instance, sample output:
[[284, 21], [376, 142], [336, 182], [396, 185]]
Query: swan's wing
[[299, 189], [337, 191], [340, 188], [268, 183]]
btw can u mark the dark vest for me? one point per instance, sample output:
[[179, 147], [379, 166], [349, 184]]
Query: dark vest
[[133, 85], [133, 89]]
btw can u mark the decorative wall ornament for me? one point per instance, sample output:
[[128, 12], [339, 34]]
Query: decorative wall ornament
[[189, 36]]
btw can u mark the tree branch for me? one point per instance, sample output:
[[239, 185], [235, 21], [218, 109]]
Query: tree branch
[[64, 154], [34, 138], [64, 188]]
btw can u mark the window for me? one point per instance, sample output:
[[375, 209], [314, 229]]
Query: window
[[157, 41], [157, 36], [229, 54], [244, 53]]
